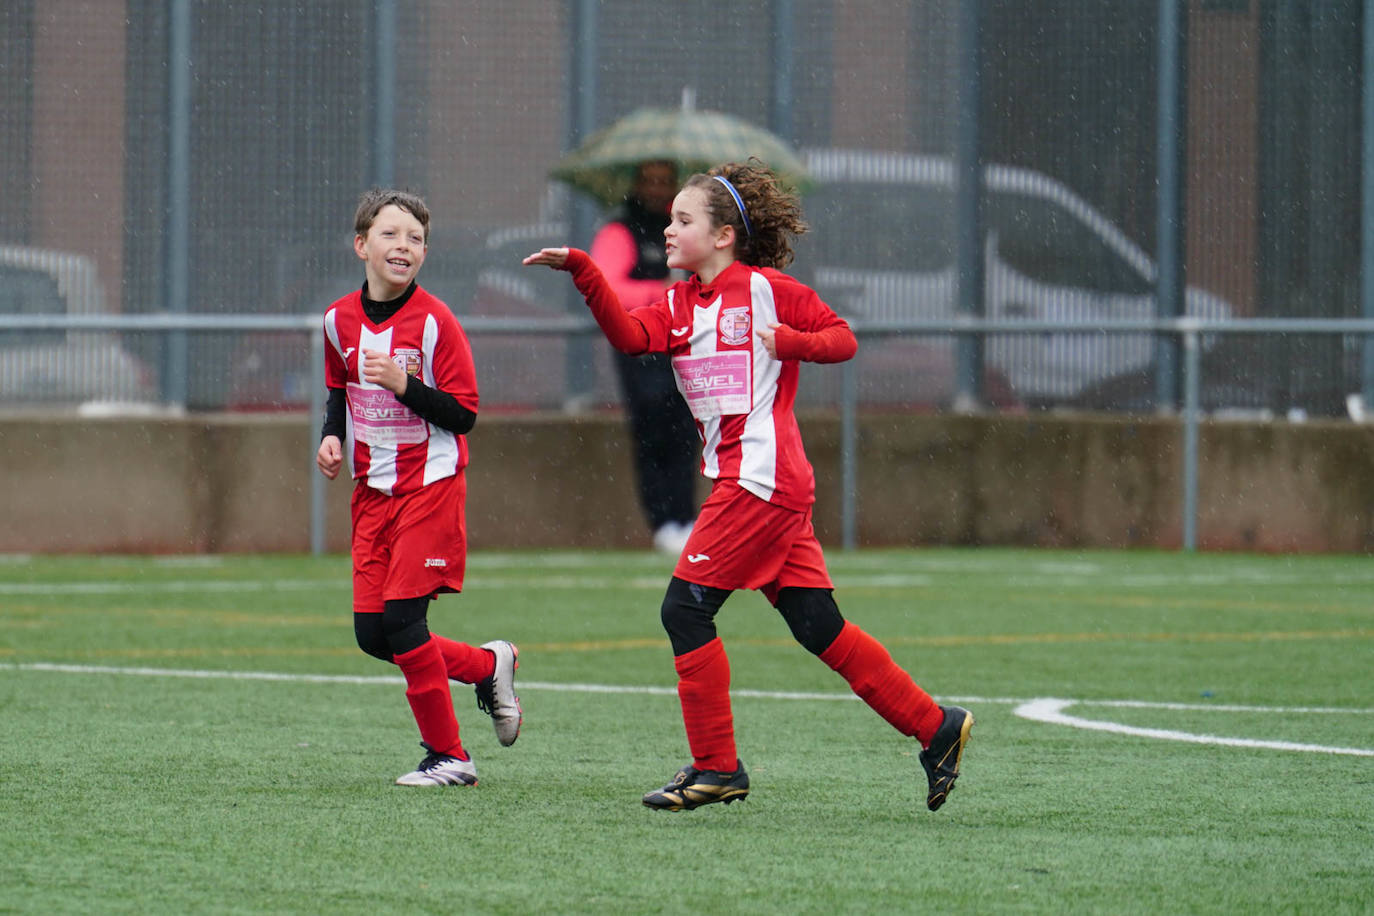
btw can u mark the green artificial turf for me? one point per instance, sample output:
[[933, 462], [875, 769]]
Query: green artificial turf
[[202, 735]]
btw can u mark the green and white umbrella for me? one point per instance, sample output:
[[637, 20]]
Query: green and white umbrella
[[604, 166]]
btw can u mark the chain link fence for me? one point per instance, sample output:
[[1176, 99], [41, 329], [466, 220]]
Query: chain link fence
[[204, 157]]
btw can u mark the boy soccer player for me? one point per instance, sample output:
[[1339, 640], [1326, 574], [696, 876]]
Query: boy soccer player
[[402, 397]]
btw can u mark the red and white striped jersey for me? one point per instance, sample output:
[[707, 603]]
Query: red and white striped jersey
[[389, 446], [741, 397]]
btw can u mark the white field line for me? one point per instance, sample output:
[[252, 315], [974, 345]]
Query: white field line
[[473, 583], [486, 574], [1048, 710], [1051, 711]]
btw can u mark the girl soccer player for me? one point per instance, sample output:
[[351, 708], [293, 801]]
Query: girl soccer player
[[736, 332]]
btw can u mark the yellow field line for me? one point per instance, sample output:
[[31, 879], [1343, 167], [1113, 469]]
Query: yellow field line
[[1211, 604], [622, 645], [1005, 639], [990, 639], [194, 652]]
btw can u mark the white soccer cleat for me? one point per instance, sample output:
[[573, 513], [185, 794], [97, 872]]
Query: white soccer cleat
[[496, 695], [440, 770]]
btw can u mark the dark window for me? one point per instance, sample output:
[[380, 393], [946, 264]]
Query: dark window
[[899, 227], [1043, 241], [25, 291]]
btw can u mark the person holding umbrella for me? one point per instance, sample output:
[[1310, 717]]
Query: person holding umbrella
[[736, 332], [629, 251]]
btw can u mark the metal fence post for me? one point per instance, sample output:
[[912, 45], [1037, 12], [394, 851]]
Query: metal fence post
[[579, 370], [318, 519], [1169, 148], [784, 60], [177, 241], [968, 203], [1367, 209], [849, 455], [1192, 366], [383, 93]]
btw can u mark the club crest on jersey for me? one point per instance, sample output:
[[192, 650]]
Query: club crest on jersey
[[734, 325], [407, 359]]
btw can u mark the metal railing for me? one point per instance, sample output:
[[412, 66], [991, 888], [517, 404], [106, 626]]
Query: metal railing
[[1189, 332]]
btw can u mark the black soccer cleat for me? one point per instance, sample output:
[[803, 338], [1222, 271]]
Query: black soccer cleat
[[692, 788], [941, 760]]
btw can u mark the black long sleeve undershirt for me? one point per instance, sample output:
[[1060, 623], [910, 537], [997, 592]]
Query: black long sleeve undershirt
[[437, 407], [432, 405]]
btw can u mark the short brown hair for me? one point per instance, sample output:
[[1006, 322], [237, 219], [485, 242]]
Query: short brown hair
[[372, 202]]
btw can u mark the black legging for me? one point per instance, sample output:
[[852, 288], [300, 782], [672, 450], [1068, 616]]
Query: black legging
[[665, 438], [402, 626], [689, 615]]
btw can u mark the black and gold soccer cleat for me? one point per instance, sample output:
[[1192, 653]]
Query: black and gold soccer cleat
[[692, 788], [941, 760]]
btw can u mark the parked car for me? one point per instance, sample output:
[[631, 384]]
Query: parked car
[[1254, 376], [882, 249], [56, 365]]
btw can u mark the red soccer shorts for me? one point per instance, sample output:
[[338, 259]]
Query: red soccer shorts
[[740, 541], [408, 546]]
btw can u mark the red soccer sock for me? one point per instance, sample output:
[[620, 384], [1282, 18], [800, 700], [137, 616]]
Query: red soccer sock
[[882, 684], [464, 662], [428, 694], [703, 688]]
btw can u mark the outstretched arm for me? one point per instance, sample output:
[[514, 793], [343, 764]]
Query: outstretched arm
[[549, 257], [625, 332]]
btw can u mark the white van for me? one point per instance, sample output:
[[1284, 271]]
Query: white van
[[60, 366], [882, 249]]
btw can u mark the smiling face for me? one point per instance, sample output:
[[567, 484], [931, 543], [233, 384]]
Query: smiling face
[[693, 242], [392, 251]]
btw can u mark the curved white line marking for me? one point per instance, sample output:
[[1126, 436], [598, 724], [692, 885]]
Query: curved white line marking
[[1045, 709], [1051, 711]]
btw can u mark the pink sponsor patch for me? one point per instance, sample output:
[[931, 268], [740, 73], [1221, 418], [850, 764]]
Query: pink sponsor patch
[[717, 385], [380, 419]]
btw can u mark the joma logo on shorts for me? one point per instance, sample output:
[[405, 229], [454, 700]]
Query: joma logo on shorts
[[435, 561]]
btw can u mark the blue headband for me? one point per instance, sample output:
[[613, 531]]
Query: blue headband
[[739, 202]]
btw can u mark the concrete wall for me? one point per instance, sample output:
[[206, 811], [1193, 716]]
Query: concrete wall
[[241, 483]]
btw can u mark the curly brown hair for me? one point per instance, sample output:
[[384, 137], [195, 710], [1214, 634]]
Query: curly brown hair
[[774, 211]]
